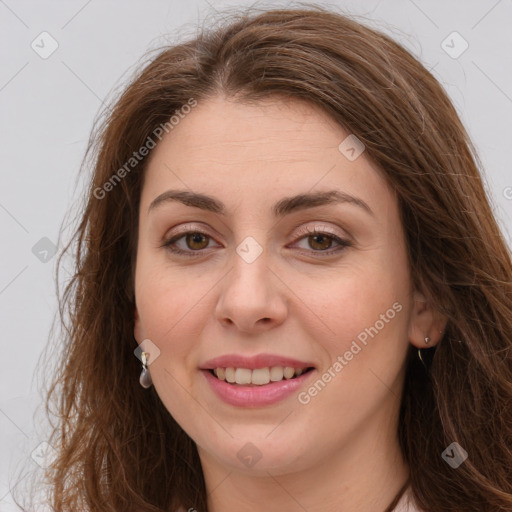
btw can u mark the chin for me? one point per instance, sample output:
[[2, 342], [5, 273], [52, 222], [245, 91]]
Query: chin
[[261, 453]]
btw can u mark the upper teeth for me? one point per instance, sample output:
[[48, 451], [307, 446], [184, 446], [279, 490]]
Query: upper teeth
[[258, 376]]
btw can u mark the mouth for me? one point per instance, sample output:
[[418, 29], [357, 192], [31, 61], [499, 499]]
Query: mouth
[[258, 377]]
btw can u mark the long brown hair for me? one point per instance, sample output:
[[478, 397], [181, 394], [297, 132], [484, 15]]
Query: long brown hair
[[118, 447]]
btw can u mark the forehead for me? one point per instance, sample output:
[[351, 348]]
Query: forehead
[[272, 148], [278, 128]]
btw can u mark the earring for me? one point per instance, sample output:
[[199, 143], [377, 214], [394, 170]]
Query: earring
[[427, 341], [145, 377]]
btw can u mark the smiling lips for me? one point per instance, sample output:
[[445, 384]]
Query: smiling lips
[[255, 381]]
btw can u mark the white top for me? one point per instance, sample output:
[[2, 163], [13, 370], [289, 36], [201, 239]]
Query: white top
[[407, 503]]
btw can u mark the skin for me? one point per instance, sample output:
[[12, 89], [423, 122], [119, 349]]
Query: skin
[[339, 451]]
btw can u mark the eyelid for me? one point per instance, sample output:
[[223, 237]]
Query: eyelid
[[305, 230], [184, 229]]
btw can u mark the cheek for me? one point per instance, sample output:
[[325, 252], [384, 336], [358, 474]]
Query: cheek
[[366, 312], [169, 302], [365, 306], [355, 298]]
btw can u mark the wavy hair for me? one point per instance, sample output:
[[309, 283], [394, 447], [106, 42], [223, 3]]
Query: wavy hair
[[118, 448]]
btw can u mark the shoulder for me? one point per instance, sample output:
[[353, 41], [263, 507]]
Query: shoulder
[[407, 503]]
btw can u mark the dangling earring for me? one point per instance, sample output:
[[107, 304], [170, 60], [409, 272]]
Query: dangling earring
[[145, 377], [427, 341]]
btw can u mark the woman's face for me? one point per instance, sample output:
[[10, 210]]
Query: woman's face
[[256, 290]]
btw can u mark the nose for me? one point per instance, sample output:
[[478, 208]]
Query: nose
[[252, 297]]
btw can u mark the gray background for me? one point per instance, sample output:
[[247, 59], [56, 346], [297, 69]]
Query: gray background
[[48, 106]]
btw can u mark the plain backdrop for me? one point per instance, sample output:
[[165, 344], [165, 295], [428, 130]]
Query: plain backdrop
[[61, 59]]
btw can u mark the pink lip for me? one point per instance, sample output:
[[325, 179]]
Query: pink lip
[[255, 396], [258, 361]]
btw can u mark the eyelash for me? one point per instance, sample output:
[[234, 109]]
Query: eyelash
[[168, 244]]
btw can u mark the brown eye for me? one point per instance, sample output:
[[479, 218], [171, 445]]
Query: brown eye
[[193, 243], [188, 243], [196, 241], [320, 242]]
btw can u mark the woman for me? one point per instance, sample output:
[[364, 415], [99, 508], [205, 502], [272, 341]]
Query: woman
[[287, 226]]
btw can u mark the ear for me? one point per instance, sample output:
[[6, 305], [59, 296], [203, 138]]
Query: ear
[[425, 322]]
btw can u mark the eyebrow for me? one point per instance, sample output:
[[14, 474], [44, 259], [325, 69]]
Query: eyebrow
[[283, 207]]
